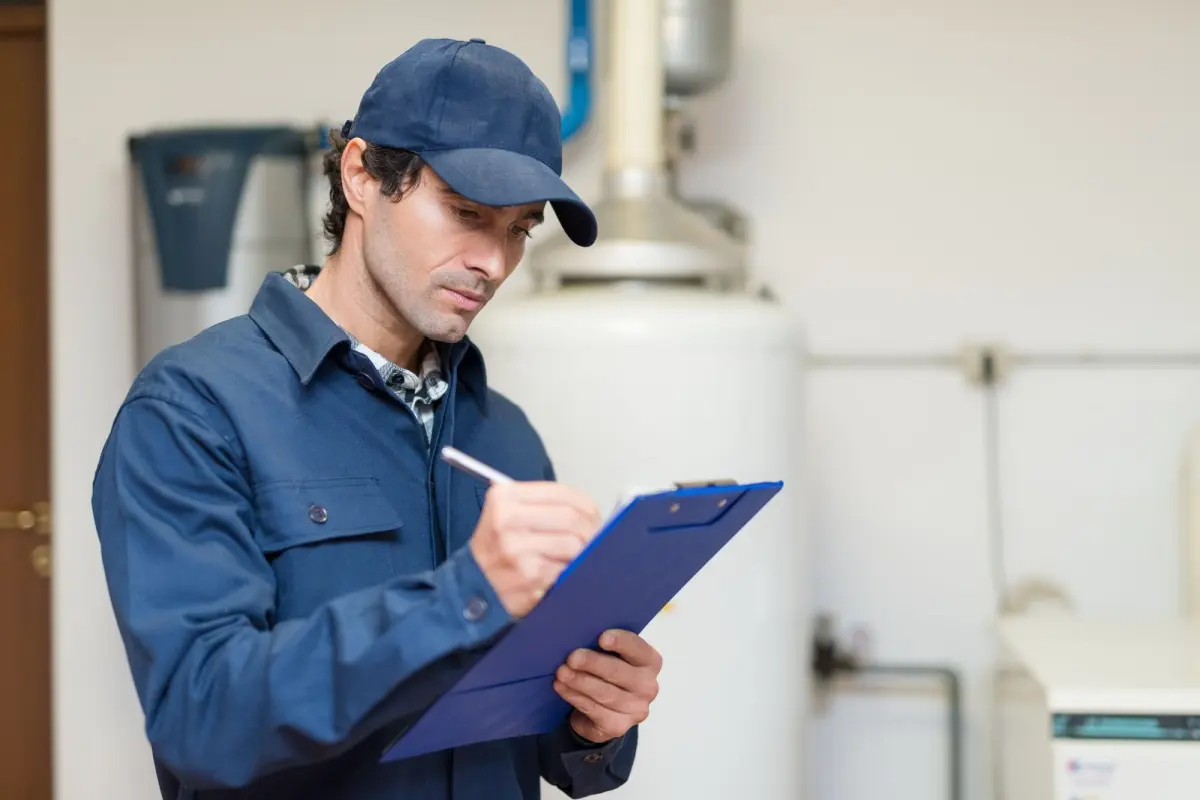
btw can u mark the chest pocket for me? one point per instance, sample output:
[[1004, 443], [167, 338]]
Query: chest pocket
[[325, 538]]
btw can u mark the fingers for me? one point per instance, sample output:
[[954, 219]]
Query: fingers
[[520, 519], [615, 672], [610, 693], [560, 549], [544, 573], [548, 493], [605, 667], [609, 723], [632, 648], [600, 692], [540, 559]]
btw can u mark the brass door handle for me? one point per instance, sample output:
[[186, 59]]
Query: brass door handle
[[40, 558], [36, 520]]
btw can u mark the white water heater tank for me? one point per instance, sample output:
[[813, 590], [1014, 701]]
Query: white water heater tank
[[637, 386]]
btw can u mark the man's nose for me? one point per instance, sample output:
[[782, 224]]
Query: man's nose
[[489, 261]]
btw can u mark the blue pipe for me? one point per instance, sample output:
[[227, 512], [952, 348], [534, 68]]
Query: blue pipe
[[579, 67]]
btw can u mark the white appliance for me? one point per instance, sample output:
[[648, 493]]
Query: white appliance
[[1189, 528], [642, 361], [215, 210], [1099, 709]]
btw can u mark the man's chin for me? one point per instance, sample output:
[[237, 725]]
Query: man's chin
[[450, 329], [447, 338]]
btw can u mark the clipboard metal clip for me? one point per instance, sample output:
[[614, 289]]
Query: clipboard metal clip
[[705, 484]]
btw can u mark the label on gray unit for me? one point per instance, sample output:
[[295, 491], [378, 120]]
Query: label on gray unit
[[1127, 727]]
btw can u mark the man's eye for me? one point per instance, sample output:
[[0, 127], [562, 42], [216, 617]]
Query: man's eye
[[525, 232], [466, 213]]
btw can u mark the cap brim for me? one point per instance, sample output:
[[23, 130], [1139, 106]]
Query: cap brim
[[503, 178]]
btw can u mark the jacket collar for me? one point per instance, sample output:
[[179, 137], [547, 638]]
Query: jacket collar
[[305, 336]]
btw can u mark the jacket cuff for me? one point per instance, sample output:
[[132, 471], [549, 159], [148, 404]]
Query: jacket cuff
[[582, 742], [580, 754], [471, 599]]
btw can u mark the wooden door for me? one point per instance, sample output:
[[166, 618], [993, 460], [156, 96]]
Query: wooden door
[[25, 760]]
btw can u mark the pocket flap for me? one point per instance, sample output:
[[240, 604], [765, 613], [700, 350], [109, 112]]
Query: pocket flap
[[302, 512]]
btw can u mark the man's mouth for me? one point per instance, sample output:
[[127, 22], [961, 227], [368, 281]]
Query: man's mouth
[[465, 299]]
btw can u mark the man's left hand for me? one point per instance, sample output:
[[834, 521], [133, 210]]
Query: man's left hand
[[610, 693]]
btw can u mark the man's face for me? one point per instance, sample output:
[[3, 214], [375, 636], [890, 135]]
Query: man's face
[[437, 257]]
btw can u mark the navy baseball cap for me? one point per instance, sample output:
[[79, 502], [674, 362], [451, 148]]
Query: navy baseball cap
[[480, 118]]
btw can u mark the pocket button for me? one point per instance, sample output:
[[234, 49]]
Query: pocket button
[[318, 514]]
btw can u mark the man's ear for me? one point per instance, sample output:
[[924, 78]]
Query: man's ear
[[356, 181]]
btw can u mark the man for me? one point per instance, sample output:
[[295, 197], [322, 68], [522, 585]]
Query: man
[[294, 573]]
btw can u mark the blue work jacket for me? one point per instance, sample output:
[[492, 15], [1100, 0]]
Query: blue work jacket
[[287, 565]]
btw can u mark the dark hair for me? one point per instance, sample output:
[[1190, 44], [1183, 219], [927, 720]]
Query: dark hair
[[396, 170]]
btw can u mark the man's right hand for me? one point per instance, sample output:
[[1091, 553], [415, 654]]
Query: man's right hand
[[527, 534]]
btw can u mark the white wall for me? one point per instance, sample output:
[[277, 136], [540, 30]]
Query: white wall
[[917, 174]]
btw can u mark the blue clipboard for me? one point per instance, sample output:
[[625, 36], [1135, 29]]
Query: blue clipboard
[[628, 573]]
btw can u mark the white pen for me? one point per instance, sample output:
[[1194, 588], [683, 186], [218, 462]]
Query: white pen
[[459, 459]]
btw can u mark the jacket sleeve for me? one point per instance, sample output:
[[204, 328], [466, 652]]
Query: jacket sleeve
[[229, 695], [581, 769]]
